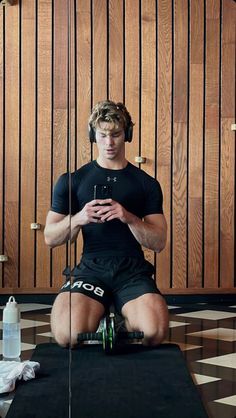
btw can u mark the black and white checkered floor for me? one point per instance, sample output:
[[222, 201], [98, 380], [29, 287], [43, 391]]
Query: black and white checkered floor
[[205, 333]]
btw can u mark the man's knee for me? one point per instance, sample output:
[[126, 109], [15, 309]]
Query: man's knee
[[65, 339], [148, 314]]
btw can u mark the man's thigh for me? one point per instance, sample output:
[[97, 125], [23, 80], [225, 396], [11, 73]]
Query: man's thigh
[[147, 313], [74, 313], [91, 286]]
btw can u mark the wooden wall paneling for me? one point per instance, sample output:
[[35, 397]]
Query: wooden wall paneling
[[83, 89], [195, 183], [148, 91], [11, 209], [179, 182], [60, 116], [228, 59], [212, 9], [116, 57], [100, 45], [227, 205], [227, 186], [28, 107], [1, 140], [83, 81], [116, 51], [44, 149], [99, 54], [163, 162], [211, 163], [132, 74]]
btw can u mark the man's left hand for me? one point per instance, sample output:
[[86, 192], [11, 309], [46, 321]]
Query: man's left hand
[[115, 211]]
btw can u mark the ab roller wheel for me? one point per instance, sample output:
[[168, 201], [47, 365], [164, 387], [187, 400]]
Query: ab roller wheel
[[108, 336]]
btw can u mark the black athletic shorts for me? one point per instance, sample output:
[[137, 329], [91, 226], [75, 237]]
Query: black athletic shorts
[[110, 280]]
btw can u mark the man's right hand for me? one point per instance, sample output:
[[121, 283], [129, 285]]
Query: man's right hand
[[59, 228]]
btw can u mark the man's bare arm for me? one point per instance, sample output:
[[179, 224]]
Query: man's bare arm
[[151, 232], [60, 228]]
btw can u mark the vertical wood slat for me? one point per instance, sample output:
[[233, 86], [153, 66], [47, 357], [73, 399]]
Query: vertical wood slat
[[164, 20], [211, 195], [132, 75], [100, 46], [83, 88], [83, 80], [195, 157], [227, 186], [11, 230], [100, 58], [116, 65], [148, 90], [27, 199], [1, 143], [60, 116], [180, 144], [44, 110]]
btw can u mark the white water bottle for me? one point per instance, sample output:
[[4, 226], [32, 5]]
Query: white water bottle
[[11, 329]]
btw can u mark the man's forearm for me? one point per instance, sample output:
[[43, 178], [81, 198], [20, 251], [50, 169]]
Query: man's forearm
[[148, 235], [59, 233]]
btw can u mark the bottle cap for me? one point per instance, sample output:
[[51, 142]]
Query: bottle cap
[[11, 313]]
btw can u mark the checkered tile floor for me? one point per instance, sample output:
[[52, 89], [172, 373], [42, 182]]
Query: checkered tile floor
[[205, 333]]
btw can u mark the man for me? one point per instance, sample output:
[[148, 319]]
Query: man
[[112, 267]]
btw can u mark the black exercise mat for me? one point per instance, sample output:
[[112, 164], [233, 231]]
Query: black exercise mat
[[137, 382]]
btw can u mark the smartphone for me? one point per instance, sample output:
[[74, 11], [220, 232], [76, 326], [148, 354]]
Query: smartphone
[[102, 191]]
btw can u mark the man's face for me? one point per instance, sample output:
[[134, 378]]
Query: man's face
[[110, 140]]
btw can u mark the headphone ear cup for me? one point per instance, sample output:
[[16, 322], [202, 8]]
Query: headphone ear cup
[[129, 133], [92, 135]]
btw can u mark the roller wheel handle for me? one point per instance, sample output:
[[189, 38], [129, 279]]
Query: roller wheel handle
[[93, 336], [136, 335]]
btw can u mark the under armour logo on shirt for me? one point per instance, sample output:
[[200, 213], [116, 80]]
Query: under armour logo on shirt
[[112, 179]]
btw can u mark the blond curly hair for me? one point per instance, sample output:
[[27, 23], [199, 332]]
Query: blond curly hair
[[109, 111]]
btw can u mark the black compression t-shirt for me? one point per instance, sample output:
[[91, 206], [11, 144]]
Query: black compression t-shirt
[[134, 189]]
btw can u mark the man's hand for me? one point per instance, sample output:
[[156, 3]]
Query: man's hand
[[150, 232], [59, 228], [91, 212], [113, 210]]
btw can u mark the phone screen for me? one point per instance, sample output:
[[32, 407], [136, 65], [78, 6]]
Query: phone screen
[[102, 191]]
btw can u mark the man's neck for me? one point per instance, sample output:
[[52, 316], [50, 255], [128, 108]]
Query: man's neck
[[111, 164]]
